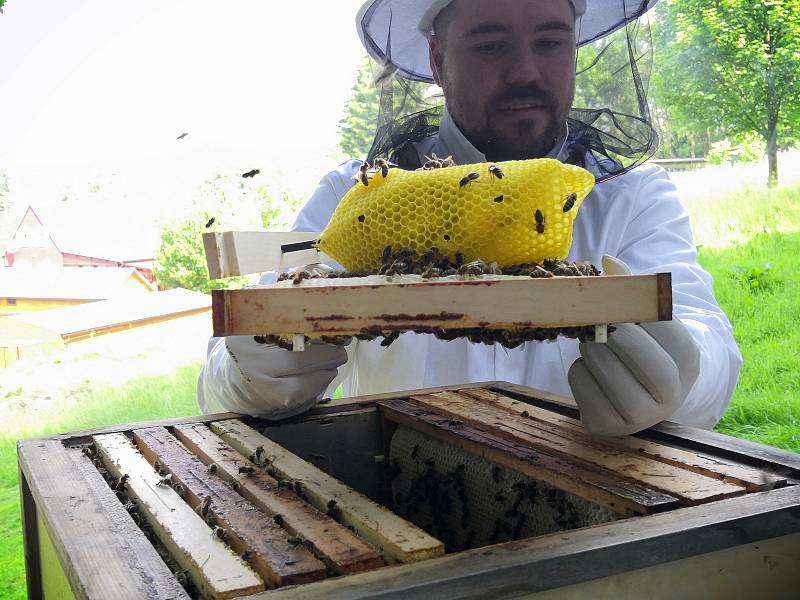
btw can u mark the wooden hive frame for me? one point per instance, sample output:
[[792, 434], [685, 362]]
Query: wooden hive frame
[[343, 307], [698, 494]]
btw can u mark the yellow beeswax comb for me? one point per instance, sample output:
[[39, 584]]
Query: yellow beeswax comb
[[510, 212]]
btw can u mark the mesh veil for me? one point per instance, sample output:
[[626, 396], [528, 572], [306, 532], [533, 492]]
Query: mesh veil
[[610, 128]]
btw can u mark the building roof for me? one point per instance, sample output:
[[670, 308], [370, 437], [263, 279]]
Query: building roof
[[97, 316], [94, 233], [68, 283]]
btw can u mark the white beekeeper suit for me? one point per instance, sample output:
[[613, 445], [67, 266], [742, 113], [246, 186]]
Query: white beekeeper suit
[[636, 217], [684, 370]]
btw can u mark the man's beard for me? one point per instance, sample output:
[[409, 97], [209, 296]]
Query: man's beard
[[525, 143]]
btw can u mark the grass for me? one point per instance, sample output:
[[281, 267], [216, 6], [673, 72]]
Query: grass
[[140, 399], [749, 242]]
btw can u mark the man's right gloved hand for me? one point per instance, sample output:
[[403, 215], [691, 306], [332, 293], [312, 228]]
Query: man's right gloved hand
[[263, 380]]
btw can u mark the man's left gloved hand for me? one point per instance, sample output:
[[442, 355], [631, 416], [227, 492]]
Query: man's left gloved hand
[[639, 378]]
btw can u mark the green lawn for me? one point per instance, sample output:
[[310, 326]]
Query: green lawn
[[139, 400], [748, 242]]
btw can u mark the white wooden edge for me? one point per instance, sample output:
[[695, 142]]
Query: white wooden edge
[[232, 253]]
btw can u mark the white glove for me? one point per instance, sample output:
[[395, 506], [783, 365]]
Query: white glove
[[639, 378], [266, 381]]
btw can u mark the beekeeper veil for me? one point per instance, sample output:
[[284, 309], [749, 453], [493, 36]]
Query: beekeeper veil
[[609, 124]]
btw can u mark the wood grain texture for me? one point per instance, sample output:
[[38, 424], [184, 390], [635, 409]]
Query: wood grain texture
[[624, 497], [755, 466], [247, 530], [689, 487], [347, 307], [399, 540], [336, 545], [213, 568], [88, 526]]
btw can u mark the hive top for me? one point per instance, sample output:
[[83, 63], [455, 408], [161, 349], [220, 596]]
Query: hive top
[[511, 212]]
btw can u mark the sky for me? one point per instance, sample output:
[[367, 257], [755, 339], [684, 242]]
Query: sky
[[94, 93]]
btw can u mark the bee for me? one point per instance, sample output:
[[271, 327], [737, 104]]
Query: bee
[[430, 272], [212, 468], [447, 162], [121, 483], [361, 218], [246, 470], [499, 198], [203, 507], [183, 135], [476, 267], [164, 480], [362, 174], [247, 556], [295, 540], [219, 532], [525, 413], [387, 340], [496, 474], [494, 269], [277, 518], [570, 202], [383, 166], [455, 424], [496, 171], [251, 173], [210, 222], [468, 178], [539, 221], [299, 276]]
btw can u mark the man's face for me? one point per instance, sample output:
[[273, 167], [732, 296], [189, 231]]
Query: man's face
[[507, 69]]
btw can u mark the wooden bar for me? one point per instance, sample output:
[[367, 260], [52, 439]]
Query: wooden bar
[[336, 545], [213, 568], [247, 530], [729, 470], [348, 306], [592, 483], [231, 253], [88, 526], [689, 487], [399, 540]]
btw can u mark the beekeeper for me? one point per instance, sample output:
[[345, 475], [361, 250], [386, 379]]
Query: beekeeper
[[507, 69]]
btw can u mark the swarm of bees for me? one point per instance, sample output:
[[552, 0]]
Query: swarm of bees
[[434, 264]]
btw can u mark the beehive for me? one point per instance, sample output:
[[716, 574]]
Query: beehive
[[136, 511], [510, 212]]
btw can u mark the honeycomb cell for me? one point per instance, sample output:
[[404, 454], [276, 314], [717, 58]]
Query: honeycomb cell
[[425, 209]]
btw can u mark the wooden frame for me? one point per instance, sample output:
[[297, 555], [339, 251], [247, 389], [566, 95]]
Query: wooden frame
[[342, 307], [231, 253], [755, 536]]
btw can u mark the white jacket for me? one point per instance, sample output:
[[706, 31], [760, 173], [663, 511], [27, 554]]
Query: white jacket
[[637, 217]]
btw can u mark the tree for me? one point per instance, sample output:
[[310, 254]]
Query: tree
[[732, 65], [357, 127], [232, 204]]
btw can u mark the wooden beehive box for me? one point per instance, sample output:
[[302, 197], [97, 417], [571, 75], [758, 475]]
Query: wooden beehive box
[[489, 490]]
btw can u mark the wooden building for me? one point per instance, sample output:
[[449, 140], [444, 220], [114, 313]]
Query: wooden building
[[66, 238], [24, 290]]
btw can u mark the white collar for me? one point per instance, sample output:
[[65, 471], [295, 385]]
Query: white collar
[[452, 142]]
